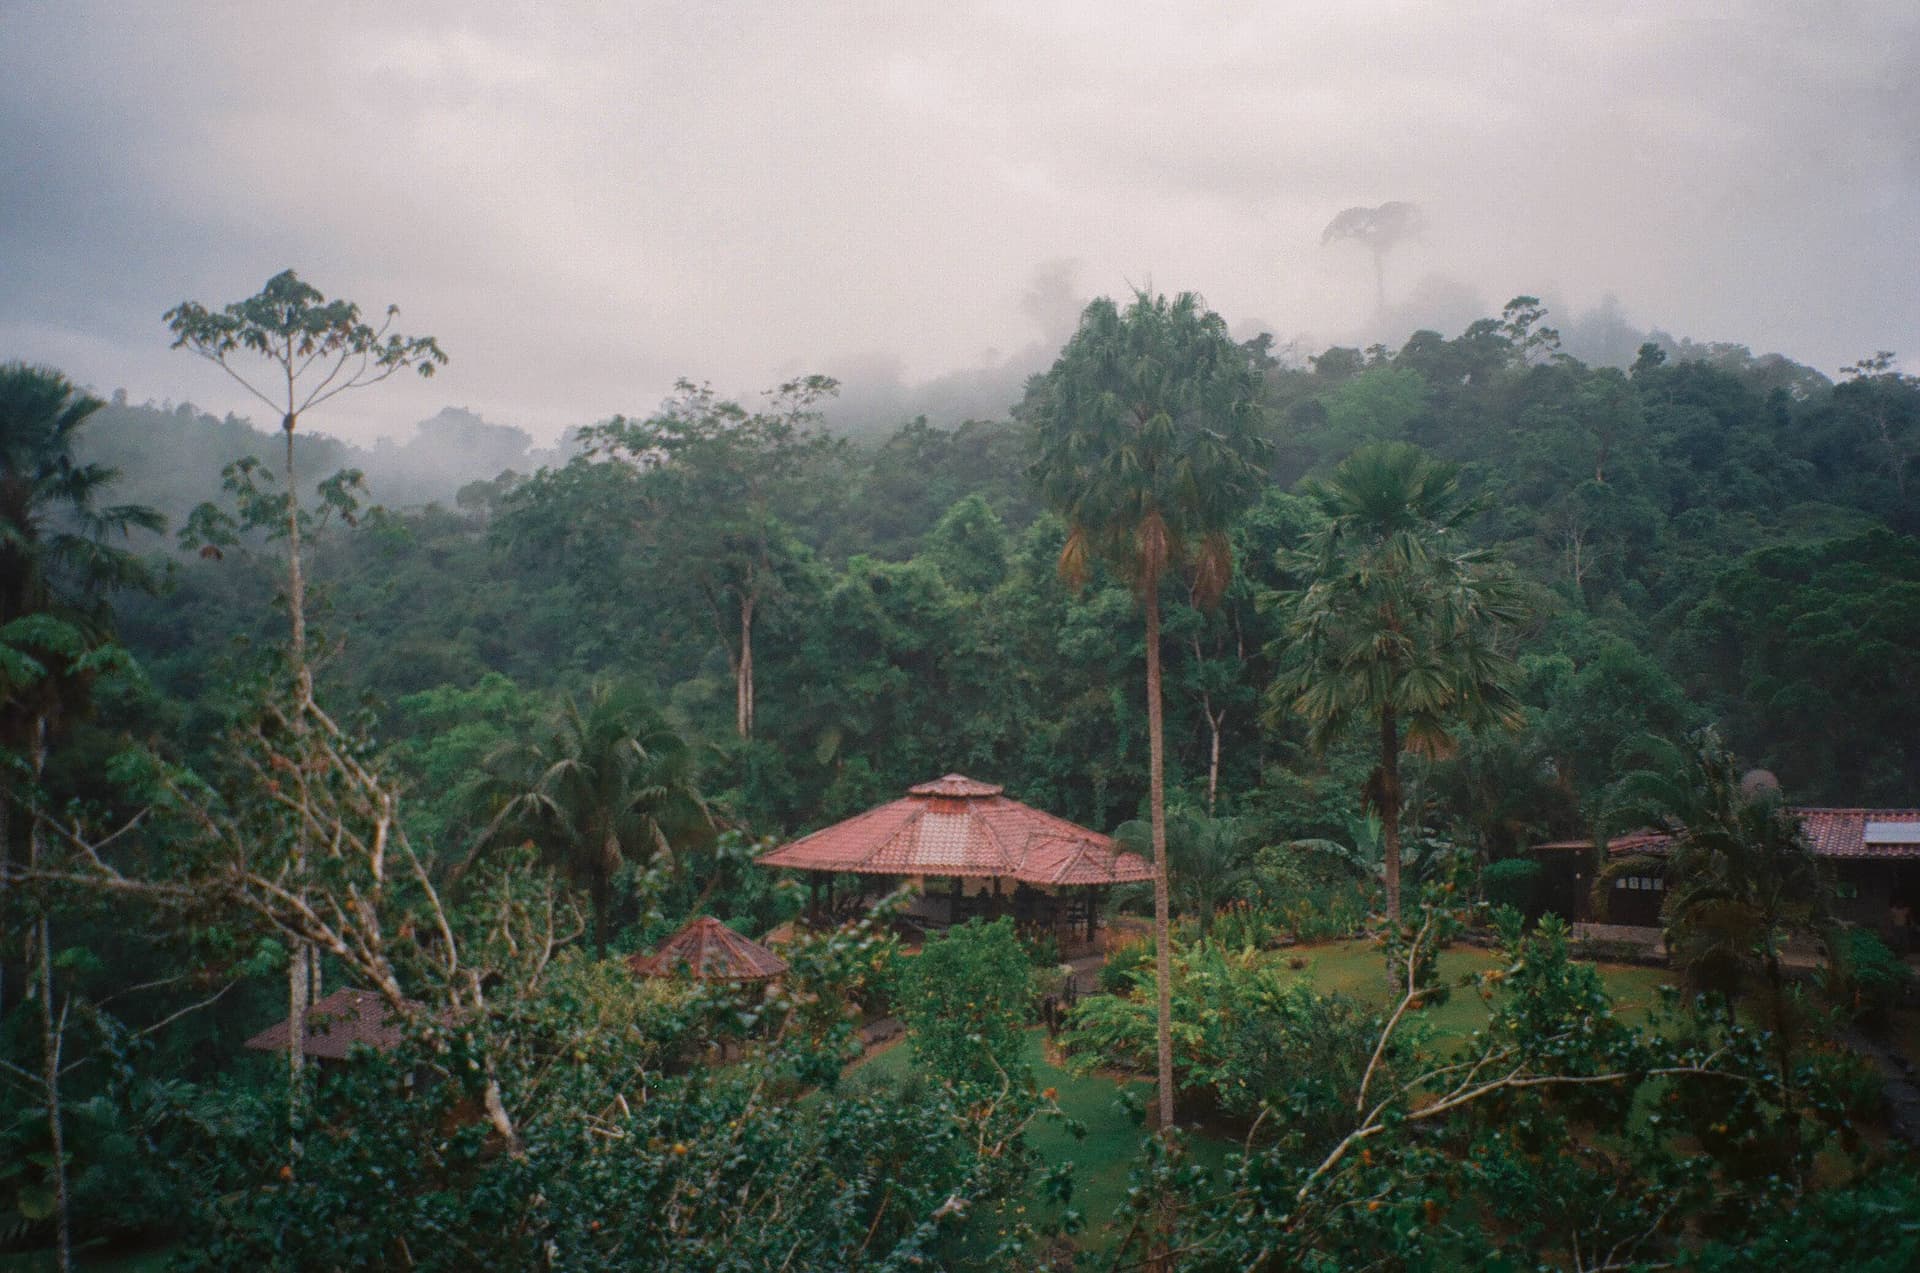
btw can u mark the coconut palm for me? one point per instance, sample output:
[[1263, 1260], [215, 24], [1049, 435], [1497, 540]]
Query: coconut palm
[[611, 782], [1147, 433], [1402, 627]]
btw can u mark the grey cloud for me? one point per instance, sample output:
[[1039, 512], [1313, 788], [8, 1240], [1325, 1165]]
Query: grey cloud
[[586, 201]]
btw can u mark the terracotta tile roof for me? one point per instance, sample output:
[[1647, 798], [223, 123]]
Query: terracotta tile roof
[[710, 951], [956, 826], [1841, 833], [337, 1022], [1832, 833]]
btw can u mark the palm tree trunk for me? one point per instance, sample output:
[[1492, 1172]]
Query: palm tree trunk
[[1389, 799], [743, 670], [1157, 811]]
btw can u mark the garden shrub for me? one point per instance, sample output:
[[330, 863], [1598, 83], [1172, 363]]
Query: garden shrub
[[1117, 975], [1864, 977], [1514, 882], [1328, 913], [964, 1000], [1244, 1034]]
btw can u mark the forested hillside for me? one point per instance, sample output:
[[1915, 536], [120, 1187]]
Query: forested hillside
[[1707, 537], [466, 730]]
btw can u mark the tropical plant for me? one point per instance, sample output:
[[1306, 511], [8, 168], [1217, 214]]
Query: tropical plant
[[1147, 433], [1208, 859], [1740, 879], [55, 563], [608, 782], [1402, 626]]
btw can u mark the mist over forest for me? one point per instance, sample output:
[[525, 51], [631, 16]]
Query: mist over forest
[[1074, 638]]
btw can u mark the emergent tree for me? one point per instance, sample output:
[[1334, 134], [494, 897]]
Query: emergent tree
[[302, 350]]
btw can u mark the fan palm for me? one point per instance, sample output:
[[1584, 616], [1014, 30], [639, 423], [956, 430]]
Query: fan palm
[[611, 782], [1147, 433], [1402, 626]]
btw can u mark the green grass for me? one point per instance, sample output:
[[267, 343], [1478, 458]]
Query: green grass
[[1358, 969], [1104, 1156]]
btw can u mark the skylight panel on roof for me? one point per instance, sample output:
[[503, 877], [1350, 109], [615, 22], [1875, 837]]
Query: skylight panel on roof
[[1892, 833]]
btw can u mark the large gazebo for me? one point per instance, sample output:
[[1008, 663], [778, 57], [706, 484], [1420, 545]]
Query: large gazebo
[[995, 856], [710, 951]]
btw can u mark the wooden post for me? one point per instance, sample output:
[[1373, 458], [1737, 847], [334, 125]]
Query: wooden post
[[953, 903]]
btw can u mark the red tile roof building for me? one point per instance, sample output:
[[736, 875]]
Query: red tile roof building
[[710, 951], [1875, 855], [1857, 834], [956, 827]]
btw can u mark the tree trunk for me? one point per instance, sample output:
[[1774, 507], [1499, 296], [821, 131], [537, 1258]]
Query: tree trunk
[[1214, 723], [50, 1035], [743, 670], [1389, 800], [300, 958], [1157, 807]]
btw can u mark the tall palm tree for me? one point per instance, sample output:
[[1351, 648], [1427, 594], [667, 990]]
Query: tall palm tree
[[1402, 625], [611, 782], [55, 552], [1147, 431]]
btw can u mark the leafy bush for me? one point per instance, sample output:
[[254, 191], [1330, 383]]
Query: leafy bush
[[1043, 949], [1245, 1034], [1119, 975], [1514, 882], [1865, 1227], [1332, 913], [964, 1000], [1864, 977]]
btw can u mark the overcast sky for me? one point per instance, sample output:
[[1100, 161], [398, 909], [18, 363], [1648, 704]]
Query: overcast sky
[[586, 201]]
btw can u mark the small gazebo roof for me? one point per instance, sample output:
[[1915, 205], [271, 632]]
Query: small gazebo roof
[[956, 826], [337, 1022], [710, 951]]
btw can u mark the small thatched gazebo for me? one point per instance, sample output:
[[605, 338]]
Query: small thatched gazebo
[[710, 951], [1000, 857]]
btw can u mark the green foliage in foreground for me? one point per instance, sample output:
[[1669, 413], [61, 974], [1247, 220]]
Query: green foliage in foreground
[[1558, 1123], [964, 998]]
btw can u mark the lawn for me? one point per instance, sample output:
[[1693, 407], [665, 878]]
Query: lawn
[[1358, 969]]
